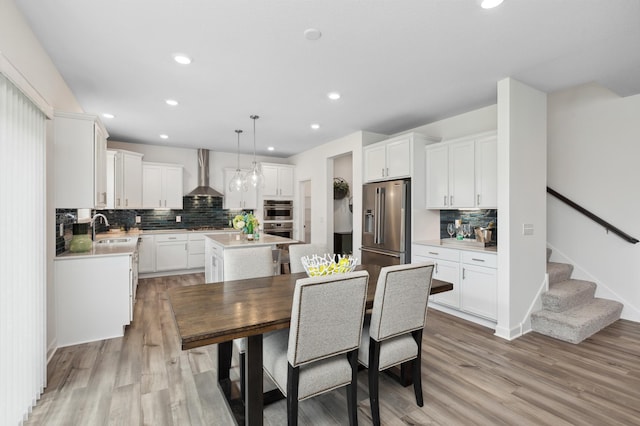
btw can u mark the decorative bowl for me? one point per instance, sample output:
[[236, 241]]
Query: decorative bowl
[[316, 265]]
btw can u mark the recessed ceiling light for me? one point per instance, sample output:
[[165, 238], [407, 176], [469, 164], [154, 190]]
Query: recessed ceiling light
[[315, 126], [107, 115], [182, 59], [334, 96], [312, 34], [163, 136], [171, 102], [490, 4], [270, 148]]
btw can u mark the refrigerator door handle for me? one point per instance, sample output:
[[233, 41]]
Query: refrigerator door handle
[[381, 216], [380, 252]]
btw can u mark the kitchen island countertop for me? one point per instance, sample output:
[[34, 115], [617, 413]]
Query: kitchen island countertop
[[237, 240]]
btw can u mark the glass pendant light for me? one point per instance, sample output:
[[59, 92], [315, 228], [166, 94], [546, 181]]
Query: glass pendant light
[[255, 177], [237, 182]]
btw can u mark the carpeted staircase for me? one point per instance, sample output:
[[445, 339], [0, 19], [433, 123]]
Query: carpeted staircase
[[569, 310]]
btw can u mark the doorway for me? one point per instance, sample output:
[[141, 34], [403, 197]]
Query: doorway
[[342, 204], [305, 191]]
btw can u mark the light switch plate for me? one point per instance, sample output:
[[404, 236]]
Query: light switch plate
[[138, 219]]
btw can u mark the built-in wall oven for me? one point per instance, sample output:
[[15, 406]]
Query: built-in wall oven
[[277, 210], [281, 229]]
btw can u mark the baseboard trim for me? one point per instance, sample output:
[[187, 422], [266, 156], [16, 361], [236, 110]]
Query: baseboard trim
[[469, 317], [168, 273]]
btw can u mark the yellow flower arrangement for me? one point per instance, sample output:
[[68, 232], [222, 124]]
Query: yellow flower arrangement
[[246, 222]]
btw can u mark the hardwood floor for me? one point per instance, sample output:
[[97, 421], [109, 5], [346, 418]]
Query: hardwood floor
[[470, 377]]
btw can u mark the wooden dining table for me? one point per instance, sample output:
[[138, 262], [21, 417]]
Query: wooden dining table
[[217, 313]]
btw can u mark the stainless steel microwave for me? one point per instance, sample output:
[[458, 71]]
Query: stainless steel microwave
[[278, 210]]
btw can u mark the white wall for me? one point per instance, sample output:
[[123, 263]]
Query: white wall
[[593, 152], [316, 165], [20, 46], [522, 142], [188, 157]]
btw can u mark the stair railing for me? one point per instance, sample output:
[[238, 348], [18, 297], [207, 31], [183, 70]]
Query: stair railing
[[597, 219]]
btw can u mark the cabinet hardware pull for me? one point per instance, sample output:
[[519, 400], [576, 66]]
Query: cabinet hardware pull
[[445, 200], [434, 252], [387, 171], [126, 202], [165, 203], [478, 199], [382, 172], [477, 260], [436, 267], [160, 203], [451, 200], [172, 238], [463, 274]]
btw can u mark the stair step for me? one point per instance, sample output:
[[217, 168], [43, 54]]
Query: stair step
[[576, 324], [559, 272], [568, 294]]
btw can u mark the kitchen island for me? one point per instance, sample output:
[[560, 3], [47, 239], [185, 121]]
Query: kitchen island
[[216, 244]]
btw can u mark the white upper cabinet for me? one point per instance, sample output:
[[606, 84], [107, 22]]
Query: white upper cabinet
[[161, 186], [124, 180], [462, 173], [239, 200], [487, 172], [278, 180], [80, 161], [387, 160]]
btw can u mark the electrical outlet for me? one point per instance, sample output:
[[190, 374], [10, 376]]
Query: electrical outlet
[[138, 219], [178, 218], [62, 229]]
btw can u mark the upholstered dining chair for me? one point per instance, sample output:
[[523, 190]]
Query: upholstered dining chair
[[297, 251], [394, 333], [318, 353], [242, 264]]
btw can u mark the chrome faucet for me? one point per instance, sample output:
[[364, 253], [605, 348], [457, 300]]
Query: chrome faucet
[[93, 227]]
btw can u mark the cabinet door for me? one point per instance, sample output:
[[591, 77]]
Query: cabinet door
[[232, 200], [479, 291], [152, 186], [171, 256], [100, 168], [437, 162], [173, 190], [147, 254], [111, 180], [131, 181], [398, 159], [462, 175], [285, 181], [375, 163], [270, 188], [487, 173]]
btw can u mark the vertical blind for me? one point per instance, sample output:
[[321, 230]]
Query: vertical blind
[[22, 254]]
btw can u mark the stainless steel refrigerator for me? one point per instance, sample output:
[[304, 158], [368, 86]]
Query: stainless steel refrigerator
[[386, 222]]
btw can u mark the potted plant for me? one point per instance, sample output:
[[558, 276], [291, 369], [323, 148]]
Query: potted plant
[[340, 188]]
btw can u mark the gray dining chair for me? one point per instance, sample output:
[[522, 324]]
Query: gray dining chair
[[246, 263], [297, 251], [319, 352], [394, 333]]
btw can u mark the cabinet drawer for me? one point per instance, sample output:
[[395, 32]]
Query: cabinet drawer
[[488, 260], [196, 237], [171, 238], [436, 252]]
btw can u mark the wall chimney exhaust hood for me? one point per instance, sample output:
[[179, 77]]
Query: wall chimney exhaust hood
[[203, 188]]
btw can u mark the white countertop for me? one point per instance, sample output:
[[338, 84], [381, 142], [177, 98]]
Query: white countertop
[[101, 249], [457, 244], [229, 240]]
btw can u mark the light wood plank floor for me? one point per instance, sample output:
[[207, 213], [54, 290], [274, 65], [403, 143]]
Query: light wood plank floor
[[470, 377]]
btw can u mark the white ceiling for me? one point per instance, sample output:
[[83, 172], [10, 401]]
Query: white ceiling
[[398, 64]]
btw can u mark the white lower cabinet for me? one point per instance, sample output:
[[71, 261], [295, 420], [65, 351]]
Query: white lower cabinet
[[196, 251], [93, 298], [147, 254], [171, 252], [472, 273]]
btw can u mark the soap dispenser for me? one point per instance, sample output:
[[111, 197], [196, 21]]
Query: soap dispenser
[[81, 241]]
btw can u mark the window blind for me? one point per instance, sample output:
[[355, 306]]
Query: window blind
[[22, 253]]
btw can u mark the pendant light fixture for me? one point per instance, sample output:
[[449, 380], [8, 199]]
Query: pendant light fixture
[[237, 182], [255, 177]]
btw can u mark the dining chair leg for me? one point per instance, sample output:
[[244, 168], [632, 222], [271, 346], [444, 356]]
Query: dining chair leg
[[352, 388], [417, 364], [293, 376], [225, 350], [374, 363], [242, 360]]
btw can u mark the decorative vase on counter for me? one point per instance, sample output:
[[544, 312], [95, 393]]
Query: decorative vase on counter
[[81, 241]]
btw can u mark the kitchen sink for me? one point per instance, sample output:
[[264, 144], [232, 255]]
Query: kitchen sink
[[114, 240]]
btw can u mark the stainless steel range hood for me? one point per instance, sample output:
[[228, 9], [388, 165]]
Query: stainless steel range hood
[[203, 188]]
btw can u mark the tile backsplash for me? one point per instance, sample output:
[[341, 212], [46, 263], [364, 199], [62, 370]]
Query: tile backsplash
[[196, 212], [474, 217]]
